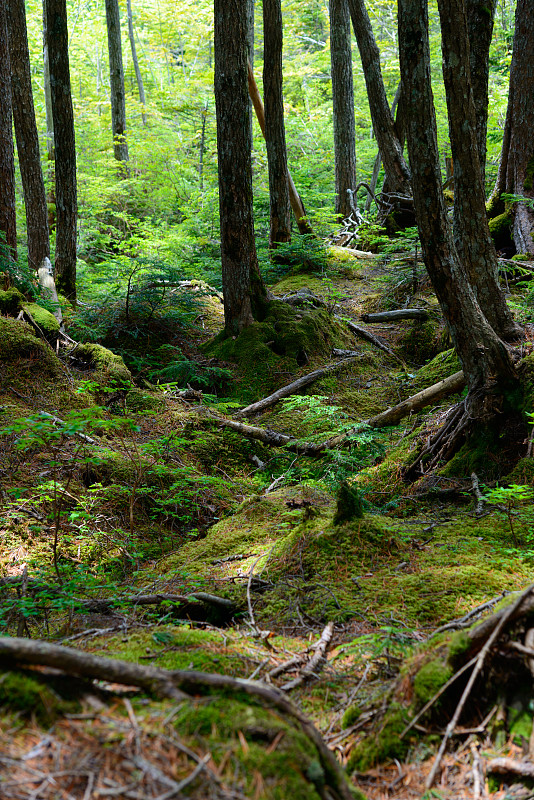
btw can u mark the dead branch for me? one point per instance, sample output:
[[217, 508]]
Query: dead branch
[[368, 337], [482, 631], [344, 353], [269, 437], [505, 618], [479, 497], [401, 313], [295, 386], [467, 620], [316, 663], [508, 766], [171, 683]]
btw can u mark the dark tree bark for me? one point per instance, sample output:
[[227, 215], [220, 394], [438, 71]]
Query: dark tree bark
[[116, 81], [50, 143], [275, 135], [138, 76], [27, 138], [66, 198], [471, 231], [484, 357], [480, 17], [8, 217], [516, 169], [244, 292], [388, 143], [343, 105]]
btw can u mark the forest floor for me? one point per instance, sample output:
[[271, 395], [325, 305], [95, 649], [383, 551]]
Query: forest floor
[[249, 568]]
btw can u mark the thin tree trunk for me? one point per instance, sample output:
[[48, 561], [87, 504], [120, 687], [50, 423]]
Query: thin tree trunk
[[116, 82], [480, 16], [343, 105], [296, 203], [384, 128], [138, 76], [66, 198], [245, 295], [8, 216], [27, 138], [472, 237], [483, 355], [275, 136]]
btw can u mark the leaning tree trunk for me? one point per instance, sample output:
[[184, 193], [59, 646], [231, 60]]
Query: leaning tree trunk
[[116, 82], [343, 105], [27, 138], [66, 197], [388, 143], [471, 230], [138, 76], [516, 170], [8, 216], [244, 292], [480, 17], [275, 136], [483, 355]]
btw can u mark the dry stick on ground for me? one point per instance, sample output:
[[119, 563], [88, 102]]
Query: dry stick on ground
[[506, 617], [294, 387], [316, 663], [479, 497], [171, 684], [401, 313], [508, 766], [467, 620]]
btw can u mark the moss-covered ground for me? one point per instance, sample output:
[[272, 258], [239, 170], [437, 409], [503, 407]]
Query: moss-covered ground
[[112, 487]]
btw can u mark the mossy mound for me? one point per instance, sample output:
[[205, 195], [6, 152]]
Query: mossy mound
[[287, 340], [107, 368], [442, 366], [423, 341], [44, 320], [11, 302], [501, 230], [28, 696]]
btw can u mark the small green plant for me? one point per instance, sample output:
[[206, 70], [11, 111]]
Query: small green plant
[[508, 499]]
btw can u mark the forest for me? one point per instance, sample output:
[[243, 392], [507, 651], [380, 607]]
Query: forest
[[267, 399]]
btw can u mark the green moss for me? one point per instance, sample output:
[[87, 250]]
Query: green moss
[[522, 257], [11, 302], [46, 321], [441, 367], [138, 401], [424, 340], [522, 474], [429, 680], [31, 697], [458, 645], [500, 229], [19, 345], [349, 504], [385, 745], [109, 368], [284, 342]]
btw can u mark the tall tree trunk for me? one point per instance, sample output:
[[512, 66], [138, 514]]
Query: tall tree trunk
[[516, 170], [480, 16], [483, 356], [138, 76], [275, 135], [116, 82], [66, 198], [8, 216], [384, 128], [296, 203], [244, 292], [50, 143], [27, 138], [472, 237], [343, 105]]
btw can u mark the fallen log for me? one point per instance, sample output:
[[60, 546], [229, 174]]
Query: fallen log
[[172, 684], [451, 385], [295, 386], [316, 663], [401, 313], [368, 337], [509, 766], [269, 437]]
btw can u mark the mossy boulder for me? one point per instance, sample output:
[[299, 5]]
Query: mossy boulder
[[20, 345], [107, 368], [501, 230], [287, 340]]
